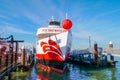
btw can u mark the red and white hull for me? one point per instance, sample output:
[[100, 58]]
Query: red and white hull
[[53, 47], [54, 50]]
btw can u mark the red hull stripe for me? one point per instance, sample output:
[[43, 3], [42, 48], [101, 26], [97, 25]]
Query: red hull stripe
[[51, 48], [49, 56]]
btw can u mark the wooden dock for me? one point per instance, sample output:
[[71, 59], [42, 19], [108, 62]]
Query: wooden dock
[[9, 57], [9, 65], [6, 71], [88, 60]]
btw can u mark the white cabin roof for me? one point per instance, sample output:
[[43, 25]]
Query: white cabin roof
[[48, 31]]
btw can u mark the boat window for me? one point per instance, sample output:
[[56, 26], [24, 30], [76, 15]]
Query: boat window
[[54, 23]]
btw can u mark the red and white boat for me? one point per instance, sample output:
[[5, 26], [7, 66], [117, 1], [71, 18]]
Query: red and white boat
[[53, 45]]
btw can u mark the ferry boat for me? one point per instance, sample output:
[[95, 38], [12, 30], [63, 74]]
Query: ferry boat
[[53, 45]]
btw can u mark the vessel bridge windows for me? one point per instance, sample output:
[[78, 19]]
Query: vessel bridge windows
[[54, 23]]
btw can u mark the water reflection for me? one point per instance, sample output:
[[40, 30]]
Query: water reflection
[[76, 72], [51, 76], [86, 73]]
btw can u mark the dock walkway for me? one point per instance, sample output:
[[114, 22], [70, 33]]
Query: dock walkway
[[6, 70]]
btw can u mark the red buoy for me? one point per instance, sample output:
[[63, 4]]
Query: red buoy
[[67, 24]]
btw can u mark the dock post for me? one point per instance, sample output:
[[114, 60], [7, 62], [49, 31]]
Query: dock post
[[11, 52], [95, 52], [0, 57], [11, 49], [16, 53], [9, 75], [23, 56], [31, 56], [6, 62]]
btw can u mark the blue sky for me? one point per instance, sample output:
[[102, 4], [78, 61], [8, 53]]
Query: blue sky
[[99, 19]]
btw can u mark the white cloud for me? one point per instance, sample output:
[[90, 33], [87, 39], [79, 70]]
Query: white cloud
[[34, 18], [15, 30], [3, 16], [96, 18], [85, 35]]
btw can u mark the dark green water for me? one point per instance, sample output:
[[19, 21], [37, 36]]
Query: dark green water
[[76, 72]]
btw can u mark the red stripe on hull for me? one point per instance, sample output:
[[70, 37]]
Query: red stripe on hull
[[49, 56], [51, 51]]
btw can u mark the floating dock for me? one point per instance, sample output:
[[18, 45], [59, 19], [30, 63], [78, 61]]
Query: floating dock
[[92, 59]]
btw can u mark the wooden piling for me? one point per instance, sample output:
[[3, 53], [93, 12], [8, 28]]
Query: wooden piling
[[6, 61], [0, 58], [23, 56], [11, 58], [9, 75], [16, 53], [96, 52]]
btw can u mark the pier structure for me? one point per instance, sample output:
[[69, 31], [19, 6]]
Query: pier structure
[[8, 57], [92, 58], [25, 58]]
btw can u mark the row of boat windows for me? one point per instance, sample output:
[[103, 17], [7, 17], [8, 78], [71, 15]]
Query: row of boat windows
[[54, 23]]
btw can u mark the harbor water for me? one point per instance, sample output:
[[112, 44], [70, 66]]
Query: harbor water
[[75, 72]]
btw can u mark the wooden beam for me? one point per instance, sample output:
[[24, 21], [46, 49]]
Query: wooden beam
[[16, 41]]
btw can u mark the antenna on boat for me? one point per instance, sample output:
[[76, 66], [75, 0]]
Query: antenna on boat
[[52, 18]]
